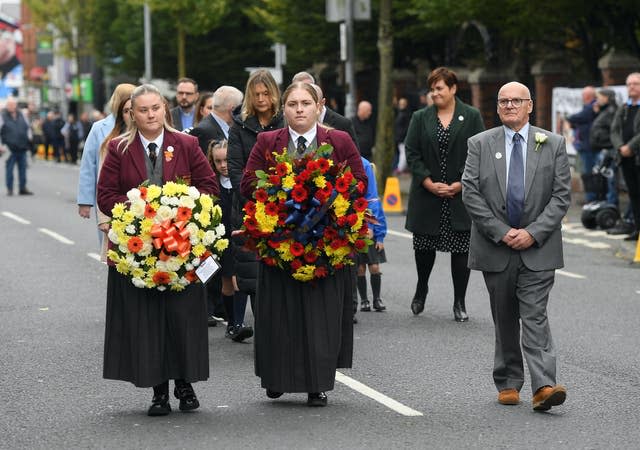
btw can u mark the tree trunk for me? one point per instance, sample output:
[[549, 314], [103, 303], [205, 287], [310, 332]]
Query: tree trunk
[[385, 145], [182, 65]]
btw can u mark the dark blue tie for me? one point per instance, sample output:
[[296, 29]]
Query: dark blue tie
[[515, 186]]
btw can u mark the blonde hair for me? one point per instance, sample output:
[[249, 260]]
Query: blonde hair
[[260, 76], [132, 131], [121, 92], [118, 115]]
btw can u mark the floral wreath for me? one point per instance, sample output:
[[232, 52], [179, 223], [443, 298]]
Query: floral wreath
[[308, 215], [162, 234]]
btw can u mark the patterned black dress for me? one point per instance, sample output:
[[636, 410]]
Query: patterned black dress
[[448, 240]]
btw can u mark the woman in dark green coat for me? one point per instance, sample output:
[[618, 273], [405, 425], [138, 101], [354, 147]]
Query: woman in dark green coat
[[436, 149]]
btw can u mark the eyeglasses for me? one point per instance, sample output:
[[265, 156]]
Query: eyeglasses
[[515, 102]]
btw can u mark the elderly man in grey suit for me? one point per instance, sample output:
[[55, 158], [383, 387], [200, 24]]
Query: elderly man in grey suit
[[516, 188]]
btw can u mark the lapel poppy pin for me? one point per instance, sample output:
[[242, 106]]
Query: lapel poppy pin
[[168, 154]]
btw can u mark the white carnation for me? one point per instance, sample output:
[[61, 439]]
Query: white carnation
[[194, 193], [113, 236], [146, 249], [220, 230], [138, 282], [209, 238], [188, 267], [164, 213], [174, 201], [134, 194], [131, 229], [196, 262], [173, 264], [137, 207], [164, 200], [161, 288], [187, 202]]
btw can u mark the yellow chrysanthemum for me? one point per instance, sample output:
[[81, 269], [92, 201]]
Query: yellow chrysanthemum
[[137, 273], [216, 212], [221, 245], [320, 181], [282, 195], [177, 287], [170, 188], [288, 182], [150, 261], [356, 226], [118, 210], [340, 206], [304, 273], [205, 219], [266, 223], [145, 226], [153, 192], [118, 226], [128, 217], [198, 250], [206, 202], [285, 251], [123, 266], [113, 256]]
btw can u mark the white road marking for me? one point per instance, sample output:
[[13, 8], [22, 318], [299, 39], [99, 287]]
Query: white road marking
[[377, 396], [570, 274], [586, 243], [400, 234], [637, 292], [94, 256], [15, 217], [56, 236]]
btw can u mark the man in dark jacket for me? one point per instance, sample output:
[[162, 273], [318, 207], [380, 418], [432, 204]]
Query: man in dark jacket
[[600, 139], [216, 125], [365, 128], [14, 133], [581, 123], [625, 137]]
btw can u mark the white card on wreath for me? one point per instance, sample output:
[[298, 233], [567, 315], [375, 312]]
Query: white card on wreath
[[207, 269]]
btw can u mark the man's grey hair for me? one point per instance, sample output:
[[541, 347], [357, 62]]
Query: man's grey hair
[[304, 77], [226, 96]]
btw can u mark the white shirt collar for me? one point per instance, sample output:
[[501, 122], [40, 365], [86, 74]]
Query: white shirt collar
[[523, 132], [145, 142], [322, 114], [309, 135]]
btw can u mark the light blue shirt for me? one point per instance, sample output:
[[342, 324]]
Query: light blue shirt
[[223, 125], [187, 119], [508, 142]]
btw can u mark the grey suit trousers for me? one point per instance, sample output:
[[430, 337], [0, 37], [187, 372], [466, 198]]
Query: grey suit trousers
[[520, 295]]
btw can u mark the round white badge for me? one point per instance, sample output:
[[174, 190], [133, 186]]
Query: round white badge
[[460, 118], [498, 155]]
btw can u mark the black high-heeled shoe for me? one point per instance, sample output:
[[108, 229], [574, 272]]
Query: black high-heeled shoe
[[317, 399], [459, 311], [417, 305]]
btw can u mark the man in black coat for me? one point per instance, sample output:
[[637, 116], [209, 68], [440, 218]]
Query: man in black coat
[[215, 126], [365, 128], [186, 97]]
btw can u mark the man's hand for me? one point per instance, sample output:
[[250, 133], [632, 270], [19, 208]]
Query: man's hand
[[625, 151], [518, 239], [84, 211]]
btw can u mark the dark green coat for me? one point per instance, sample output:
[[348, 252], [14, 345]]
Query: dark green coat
[[423, 159]]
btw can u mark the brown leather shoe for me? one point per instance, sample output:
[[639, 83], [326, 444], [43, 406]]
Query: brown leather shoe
[[509, 397], [548, 396]]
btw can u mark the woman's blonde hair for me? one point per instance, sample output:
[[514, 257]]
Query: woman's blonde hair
[[121, 95], [132, 131], [260, 76]]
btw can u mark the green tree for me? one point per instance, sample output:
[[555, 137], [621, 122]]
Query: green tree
[[189, 17], [385, 148], [68, 20]]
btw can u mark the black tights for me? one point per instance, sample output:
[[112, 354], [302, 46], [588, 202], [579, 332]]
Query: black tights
[[459, 273]]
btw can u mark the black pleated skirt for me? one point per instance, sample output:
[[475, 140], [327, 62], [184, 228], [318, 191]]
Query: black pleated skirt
[[153, 336], [304, 331]]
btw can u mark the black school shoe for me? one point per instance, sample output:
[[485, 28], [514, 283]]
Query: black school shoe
[[159, 405], [317, 399], [188, 400]]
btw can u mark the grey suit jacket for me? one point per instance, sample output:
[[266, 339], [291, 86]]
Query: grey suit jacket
[[547, 199]]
